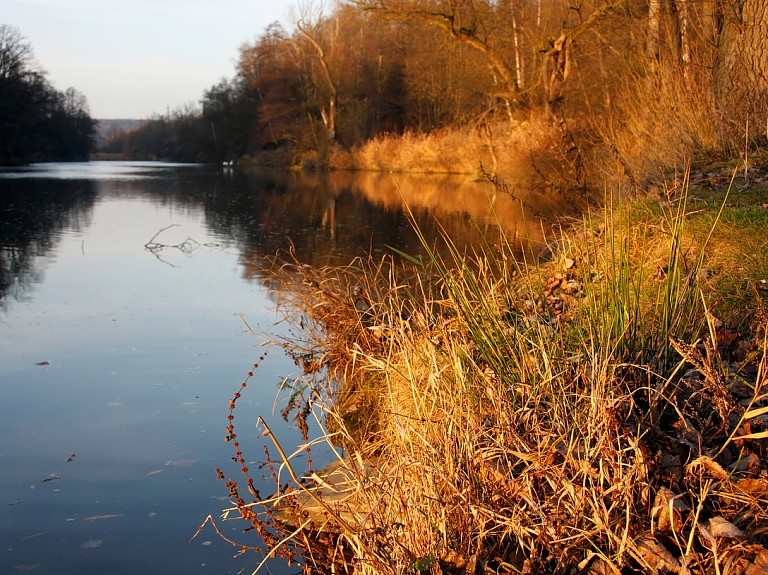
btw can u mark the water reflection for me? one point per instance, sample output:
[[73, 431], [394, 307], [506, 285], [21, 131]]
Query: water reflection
[[333, 217], [33, 215], [329, 218], [130, 363]]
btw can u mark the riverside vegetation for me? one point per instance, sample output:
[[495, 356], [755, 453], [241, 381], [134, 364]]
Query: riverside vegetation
[[546, 93], [598, 407]]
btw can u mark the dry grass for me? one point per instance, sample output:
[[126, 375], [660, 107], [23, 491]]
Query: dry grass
[[661, 119], [504, 147], [590, 414]]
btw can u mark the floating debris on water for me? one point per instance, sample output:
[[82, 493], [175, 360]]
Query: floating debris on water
[[71, 457], [42, 363], [34, 535], [25, 567], [92, 544], [207, 543], [156, 471], [180, 463], [97, 517], [14, 502], [51, 478]]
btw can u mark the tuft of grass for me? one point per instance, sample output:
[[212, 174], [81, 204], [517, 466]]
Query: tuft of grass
[[595, 412]]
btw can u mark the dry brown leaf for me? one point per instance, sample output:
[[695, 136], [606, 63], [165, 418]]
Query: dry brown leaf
[[720, 527], [665, 502], [754, 486], [760, 564], [657, 557], [749, 463], [601, 567]]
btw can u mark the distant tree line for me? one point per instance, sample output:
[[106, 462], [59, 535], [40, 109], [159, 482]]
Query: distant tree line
[[222, 130], [346, 74], [37, 122]]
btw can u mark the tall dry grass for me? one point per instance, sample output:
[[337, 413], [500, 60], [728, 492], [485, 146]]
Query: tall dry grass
[[659, 120], [502, 147], [589, 414]]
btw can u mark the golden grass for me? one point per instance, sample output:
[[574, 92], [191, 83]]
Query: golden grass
[[661, 119], [590, 414], [502, 147]]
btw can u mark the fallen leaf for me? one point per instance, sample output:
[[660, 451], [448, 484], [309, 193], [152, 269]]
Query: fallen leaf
[[726, 337], [665, 502], [707, 535], [658, 558], [760, 565], [601, 567], [749, 463], [755, 486], [720, 527]]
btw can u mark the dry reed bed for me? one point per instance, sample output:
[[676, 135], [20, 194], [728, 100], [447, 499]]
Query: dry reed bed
[[589, 414]]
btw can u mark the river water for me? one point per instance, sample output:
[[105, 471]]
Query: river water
[[117, 362]]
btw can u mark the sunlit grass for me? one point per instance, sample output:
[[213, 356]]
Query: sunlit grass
[[595, 408]]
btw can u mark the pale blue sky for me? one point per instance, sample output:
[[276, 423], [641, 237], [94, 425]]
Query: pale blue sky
[[132, 58]]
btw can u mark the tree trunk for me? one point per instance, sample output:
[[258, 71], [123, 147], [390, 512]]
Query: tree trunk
[[519, 63], [683, 14], [308, 25], [654, 23], [740, 74]]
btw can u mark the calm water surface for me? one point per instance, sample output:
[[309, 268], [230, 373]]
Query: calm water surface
[[127, 358]]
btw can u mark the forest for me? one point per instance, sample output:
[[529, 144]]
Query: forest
[[37, 122], [582, 90]]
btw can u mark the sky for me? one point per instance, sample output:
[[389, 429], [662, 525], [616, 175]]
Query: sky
[[133, 58]]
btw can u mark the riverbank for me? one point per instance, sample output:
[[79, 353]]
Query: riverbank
[[598, 408]]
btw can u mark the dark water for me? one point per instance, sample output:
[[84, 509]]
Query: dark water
[[127, 358]]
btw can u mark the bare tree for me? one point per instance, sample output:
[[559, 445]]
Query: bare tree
[[309, 23], [560, 50], [15, 53], [466, 21]]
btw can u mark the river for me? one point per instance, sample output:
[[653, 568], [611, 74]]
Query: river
[[117, 362]]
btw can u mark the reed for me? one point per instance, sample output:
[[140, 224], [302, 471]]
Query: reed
[[585, 413]]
